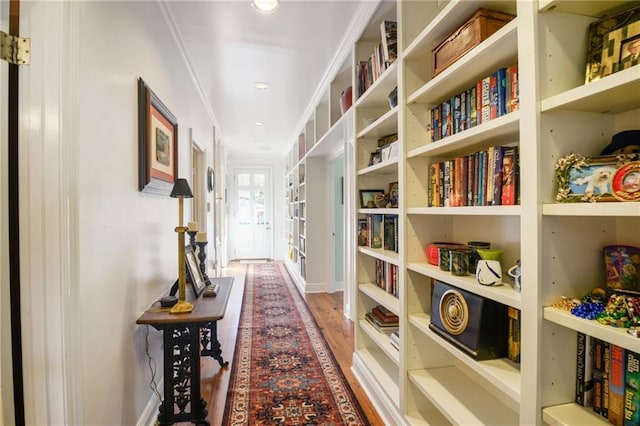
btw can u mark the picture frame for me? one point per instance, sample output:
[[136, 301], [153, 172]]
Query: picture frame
[[606, 39], [393, 194], [194, 274], [367, 197], [375, 158], [601, 178], [385, 152], [157, 143]]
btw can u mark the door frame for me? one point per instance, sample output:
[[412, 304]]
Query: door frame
[[269, 206]]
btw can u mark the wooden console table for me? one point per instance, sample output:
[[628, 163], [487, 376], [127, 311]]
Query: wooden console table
[[187, 337]]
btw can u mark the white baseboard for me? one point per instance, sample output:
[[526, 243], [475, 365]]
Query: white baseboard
[[149, 416], [384, 406]]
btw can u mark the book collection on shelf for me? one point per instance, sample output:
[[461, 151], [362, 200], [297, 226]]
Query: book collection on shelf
[[387, 277], [490, 98], [383, 55], [484, 178], [379, 231], [608, 380]]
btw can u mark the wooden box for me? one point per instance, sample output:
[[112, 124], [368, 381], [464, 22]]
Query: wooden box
[[481, 25]]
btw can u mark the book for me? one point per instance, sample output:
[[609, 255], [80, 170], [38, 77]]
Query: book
[[485, 100], [385, 315], [388, 32], [509, 176], [632, 389], [606, 381], [498, 156], [513, 339], [616, 385], [489, 175], [598, 375], [584, 365], [513, 102], [501, 82]]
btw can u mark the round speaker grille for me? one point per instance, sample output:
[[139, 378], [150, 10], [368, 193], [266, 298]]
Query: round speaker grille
[[454, 312]]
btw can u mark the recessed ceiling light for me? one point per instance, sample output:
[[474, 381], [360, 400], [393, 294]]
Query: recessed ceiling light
[[258, 142], [261, 85], [265, 6], [259, 123]]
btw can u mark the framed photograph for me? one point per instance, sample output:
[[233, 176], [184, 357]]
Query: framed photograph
[[609, 41], [157, 143], [602, 178], [375, 158], [193, 271], [385, 152], [363, 232], [367, 197], [393, 194]]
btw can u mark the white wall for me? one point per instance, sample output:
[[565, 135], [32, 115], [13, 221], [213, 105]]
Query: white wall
[[85, 359]]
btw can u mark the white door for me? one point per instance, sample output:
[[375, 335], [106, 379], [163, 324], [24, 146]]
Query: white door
[[253, 237]]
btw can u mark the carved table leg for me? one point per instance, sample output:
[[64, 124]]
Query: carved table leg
[[182, 394], [210, 344]]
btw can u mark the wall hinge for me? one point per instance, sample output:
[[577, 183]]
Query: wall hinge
[[14, 49]]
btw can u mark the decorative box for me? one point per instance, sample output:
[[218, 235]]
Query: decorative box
[[481, 25]]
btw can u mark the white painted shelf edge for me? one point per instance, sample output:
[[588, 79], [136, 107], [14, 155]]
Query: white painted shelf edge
[[382, 340], [500, 371], [617, 336], [457, 397]]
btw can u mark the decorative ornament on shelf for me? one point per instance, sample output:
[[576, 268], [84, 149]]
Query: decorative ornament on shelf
[[181, 190], [489, 269]]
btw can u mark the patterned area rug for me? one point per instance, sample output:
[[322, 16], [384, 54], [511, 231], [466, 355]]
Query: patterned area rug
[[283, 372]]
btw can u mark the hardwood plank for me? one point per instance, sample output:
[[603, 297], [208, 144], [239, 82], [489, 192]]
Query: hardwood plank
[[338, 331]]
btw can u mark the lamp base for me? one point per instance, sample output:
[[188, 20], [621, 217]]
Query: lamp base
[[182, 307]]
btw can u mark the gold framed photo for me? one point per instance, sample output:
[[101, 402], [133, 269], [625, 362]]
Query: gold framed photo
[[613, 44]]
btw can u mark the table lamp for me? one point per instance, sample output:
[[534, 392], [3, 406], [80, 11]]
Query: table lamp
[[181, 191]]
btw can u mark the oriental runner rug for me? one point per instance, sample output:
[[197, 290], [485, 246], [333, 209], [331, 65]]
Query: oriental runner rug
[[283, 371]]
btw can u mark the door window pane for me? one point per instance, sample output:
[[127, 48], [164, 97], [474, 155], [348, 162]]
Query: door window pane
[[244, 208], [259, 179], [259, 206], [244, 179]]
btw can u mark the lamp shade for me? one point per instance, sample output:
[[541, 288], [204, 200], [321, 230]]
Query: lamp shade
[[181, 189]]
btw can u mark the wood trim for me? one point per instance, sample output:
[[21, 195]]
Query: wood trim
[[14, 225]]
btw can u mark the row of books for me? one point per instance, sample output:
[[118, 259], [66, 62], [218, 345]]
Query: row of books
[[491, 97], [383, 319], [387, 277], [379, 231], [484, 178], [383, 55], [608, 380]]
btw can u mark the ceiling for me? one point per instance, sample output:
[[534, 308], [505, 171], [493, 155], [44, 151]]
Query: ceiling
[[231, 46]]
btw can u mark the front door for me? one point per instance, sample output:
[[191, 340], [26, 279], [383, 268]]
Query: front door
[[253, 236]]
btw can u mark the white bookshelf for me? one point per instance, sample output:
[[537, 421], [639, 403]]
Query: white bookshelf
[[558, 244]]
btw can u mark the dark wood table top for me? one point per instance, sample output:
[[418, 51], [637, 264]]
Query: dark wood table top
[[205, 309]]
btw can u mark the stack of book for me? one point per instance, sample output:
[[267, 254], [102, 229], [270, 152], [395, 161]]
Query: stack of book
[[383, 319]]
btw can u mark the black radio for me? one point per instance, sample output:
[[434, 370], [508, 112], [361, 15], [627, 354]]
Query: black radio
[[476, 325]]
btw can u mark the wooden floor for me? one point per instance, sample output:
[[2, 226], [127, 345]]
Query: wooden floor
[[326, 308]]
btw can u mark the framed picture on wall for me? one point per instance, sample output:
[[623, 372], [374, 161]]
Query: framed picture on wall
[[157, 143]]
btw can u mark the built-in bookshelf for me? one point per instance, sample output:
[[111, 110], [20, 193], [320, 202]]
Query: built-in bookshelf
[[323, 135], [424, 378]]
